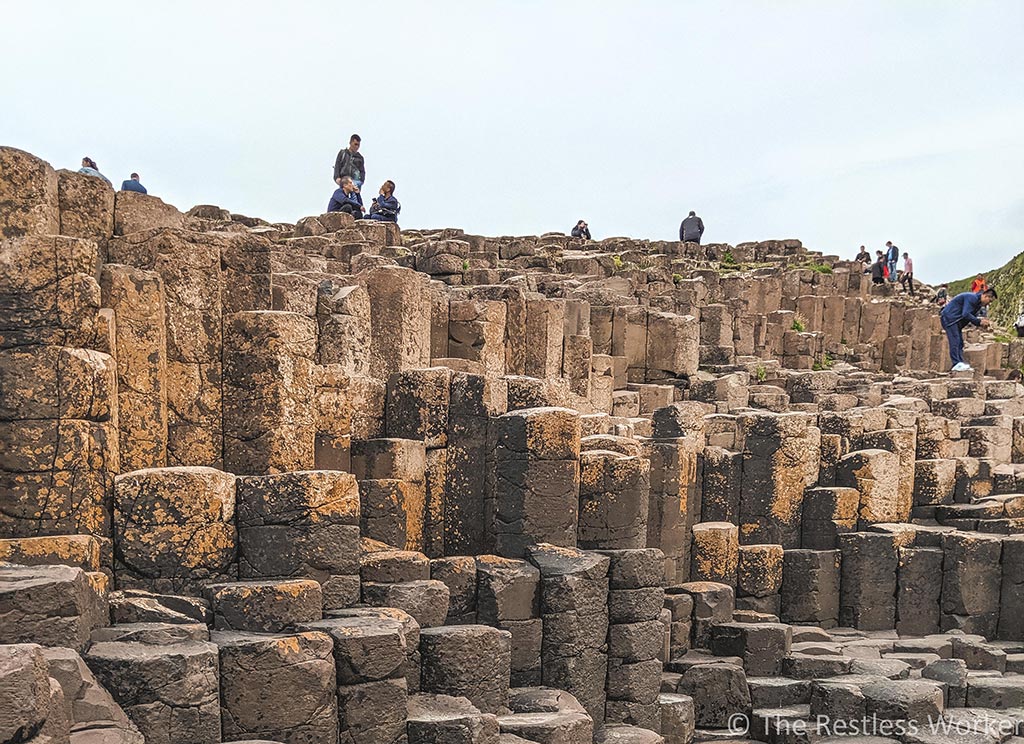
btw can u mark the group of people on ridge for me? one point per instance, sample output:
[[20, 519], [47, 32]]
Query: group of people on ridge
[[350, 175], [90, 168], [883, 268]]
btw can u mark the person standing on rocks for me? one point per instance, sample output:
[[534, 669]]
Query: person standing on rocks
[[962, 310], [892, 254], [691, 229], [864, 258], [979, 284], [907, 279], [132, 184], [582, 230], [350, 163], [346, 199], [90, 168]]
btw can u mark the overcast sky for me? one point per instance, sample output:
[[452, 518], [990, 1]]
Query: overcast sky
[[840, 123]]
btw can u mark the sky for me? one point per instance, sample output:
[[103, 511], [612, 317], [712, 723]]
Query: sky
[[839, 123]]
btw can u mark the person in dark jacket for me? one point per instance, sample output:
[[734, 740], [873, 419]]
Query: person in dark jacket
[[864, 258], [385, 207], [691, 229], [132, 184], [350, 163], [582, 230], [346, 199], [957, 314], [892, 254], [878, 269]]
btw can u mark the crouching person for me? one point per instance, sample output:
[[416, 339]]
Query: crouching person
[[346, 199], [385, 207]]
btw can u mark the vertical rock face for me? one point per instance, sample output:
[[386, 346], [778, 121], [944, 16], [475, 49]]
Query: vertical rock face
[[399, 318], [189, 267], [427, 486], [614, 504], [574, 606], [137, 298], [278, 686], [171, 692], [537, 479], [28, 195], [303, 524], [275, 353]]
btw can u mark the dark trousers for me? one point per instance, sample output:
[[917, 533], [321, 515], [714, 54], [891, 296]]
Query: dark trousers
[[907, 280], [692, 240], [955, 336]]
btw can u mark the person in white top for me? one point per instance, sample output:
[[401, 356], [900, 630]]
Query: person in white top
[[907, 280]]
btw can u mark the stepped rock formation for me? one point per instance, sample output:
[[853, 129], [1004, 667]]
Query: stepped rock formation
[[336, 482]]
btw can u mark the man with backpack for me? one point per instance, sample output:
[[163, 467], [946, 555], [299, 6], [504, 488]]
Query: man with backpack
[[350, 163]]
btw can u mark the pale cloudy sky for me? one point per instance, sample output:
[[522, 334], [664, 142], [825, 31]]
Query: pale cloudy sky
[[840, 123]]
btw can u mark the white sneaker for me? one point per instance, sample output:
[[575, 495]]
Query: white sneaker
[[962, 367]]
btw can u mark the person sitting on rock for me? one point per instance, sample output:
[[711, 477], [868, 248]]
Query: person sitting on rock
[[132, 184], [942, 296], [878, 269], [961, 311], [979, 284], [90, 168], [385, 207], [582, 230], [346, 199]]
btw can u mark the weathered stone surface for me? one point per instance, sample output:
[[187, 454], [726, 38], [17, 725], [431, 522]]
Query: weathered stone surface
[[444, 718], [135, 212], [471, 661], [273, 352], [264, 606], [49, 605], [29, 195], [24, 691], [170, 692], [613, 500], [875, 475], [175, 528], [537, 479], [281, 687]]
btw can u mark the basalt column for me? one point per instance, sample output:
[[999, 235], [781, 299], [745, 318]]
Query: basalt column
[[537, 482]]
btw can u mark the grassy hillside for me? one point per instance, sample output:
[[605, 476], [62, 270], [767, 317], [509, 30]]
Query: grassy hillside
[[1009, 283]]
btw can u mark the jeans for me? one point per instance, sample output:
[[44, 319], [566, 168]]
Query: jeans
[[892, 270], [955, 336]]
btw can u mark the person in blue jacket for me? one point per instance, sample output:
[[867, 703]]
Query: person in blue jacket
[[346, 199], [132, 184], [385, 207], [956, 314], [892, 254]]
